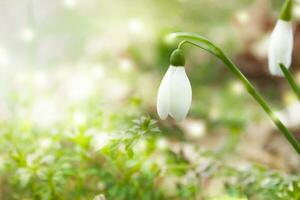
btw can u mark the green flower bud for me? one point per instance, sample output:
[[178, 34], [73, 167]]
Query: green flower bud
[[177, 58], [286, 10]]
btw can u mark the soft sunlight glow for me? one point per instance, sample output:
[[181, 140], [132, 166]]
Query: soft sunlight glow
[[97, 71], [79, 118], [78, 87], [194, 128], [45, 143], [135, 26], [4, 57], [117, 91], [70, 3], [126, 65], [162, 143], [41, 80], [237, 87], [100, 140], [45, 113], [243, 17], [27, 34]]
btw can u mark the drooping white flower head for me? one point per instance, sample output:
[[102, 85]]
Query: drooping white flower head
[[280, 47], [175, 92], [281, 42]]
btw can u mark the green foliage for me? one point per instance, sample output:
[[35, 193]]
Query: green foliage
[[128, 166]]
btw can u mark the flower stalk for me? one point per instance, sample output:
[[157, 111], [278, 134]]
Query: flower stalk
[[203, 43], [290, 80]]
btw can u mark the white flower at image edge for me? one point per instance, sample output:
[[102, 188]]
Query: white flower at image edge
[[174, 94], [280, 47]]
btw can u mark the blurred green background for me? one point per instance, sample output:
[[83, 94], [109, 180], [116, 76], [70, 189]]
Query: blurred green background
[[78, 86]]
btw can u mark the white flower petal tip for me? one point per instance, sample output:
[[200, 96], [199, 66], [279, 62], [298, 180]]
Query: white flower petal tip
[[180, 95], [174, 95], [280, 47], [163, 97]]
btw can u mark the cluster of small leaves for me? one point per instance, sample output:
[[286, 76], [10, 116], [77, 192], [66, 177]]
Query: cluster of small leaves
[[259, 183], [70, 167]]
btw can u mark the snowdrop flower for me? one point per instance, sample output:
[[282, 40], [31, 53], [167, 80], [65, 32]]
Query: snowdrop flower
[[175, 91], [281, 41]]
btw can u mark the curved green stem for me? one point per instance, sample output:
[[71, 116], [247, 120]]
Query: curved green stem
[[290, 80], [203, 43]]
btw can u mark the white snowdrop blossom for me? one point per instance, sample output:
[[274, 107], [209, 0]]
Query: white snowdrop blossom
[[281, 41], [175, 92], [280, 47]]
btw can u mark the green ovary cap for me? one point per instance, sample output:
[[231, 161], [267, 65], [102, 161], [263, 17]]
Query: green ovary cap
[[177, 58], [286, 10]]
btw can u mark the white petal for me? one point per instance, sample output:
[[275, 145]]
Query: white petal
[[163, 97], [280, 47], [180, 94]]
